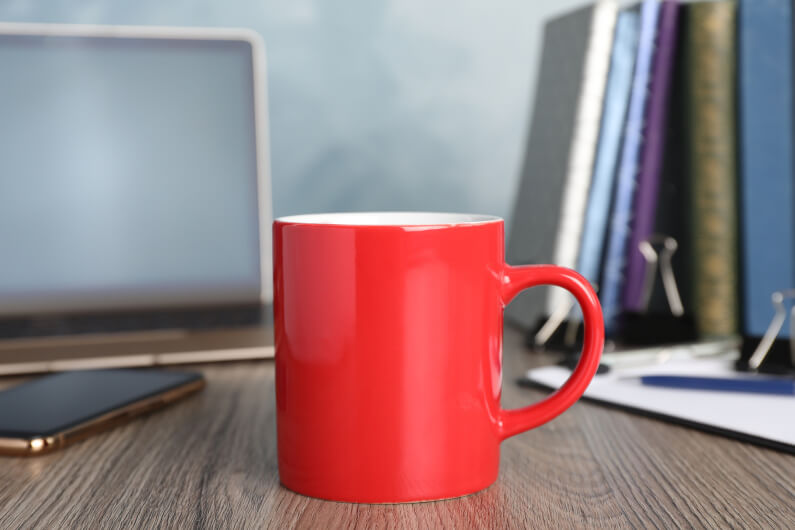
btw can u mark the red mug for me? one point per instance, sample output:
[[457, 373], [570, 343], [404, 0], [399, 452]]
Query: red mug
[[388, 330]]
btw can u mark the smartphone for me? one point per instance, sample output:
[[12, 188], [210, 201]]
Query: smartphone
[[56, 410]]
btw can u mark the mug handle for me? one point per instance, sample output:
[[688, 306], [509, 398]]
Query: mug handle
[[516, 279]]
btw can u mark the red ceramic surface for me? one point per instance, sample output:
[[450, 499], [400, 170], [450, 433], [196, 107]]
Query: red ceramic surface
[[388, 354]]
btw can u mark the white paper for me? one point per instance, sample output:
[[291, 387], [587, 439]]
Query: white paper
[[765, 416]]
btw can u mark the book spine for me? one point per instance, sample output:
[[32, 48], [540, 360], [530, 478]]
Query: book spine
[[713, 176], [767, 190], [645, 206], [617, 93], [672, 219], [613, 273], [583, 146]]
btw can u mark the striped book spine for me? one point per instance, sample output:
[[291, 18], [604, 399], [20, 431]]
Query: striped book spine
[[615, 254], [584, 142], [713, 176], [619, 82]]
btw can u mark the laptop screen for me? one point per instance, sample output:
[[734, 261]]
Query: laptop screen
[[128, 174]]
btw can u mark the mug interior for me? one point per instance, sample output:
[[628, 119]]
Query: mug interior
[[390, 219]]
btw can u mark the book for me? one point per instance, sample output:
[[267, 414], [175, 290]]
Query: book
[[584, 144], [560, 145], [619, 82], [711, 60], [672, 219], [618, 234], [767, 187], [651, 158]]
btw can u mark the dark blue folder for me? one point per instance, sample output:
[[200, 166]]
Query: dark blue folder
[[767, 182]]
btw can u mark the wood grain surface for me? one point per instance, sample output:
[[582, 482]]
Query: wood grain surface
[[210, 461]]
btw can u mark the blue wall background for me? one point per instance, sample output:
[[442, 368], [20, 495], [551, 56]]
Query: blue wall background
[[374, 104]]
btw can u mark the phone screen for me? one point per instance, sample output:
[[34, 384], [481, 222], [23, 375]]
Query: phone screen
[[55, 403]]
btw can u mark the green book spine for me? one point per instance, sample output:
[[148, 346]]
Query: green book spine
[[711, 90]]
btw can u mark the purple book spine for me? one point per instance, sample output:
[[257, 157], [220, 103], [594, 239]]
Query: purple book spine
[[651, 157]]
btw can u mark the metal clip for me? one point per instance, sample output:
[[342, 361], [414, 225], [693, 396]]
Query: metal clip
[[663, 259], [553, 323], [763, 348]]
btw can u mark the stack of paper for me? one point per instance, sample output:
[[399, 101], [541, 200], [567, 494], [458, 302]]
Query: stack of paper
[[759, 418]]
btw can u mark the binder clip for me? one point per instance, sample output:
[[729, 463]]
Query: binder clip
[[558, 332], [646, 328], [771, 354]]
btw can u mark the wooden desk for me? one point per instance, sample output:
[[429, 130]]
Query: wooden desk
[[210, 461]]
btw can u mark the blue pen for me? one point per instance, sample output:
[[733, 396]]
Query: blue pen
[[760, 385]]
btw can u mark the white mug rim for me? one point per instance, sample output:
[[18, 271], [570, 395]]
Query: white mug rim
[[399, 219]]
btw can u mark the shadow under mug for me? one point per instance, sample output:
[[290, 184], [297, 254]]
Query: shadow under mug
[[388, 330]]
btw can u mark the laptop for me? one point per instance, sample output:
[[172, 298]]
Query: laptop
[[135, 204]]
